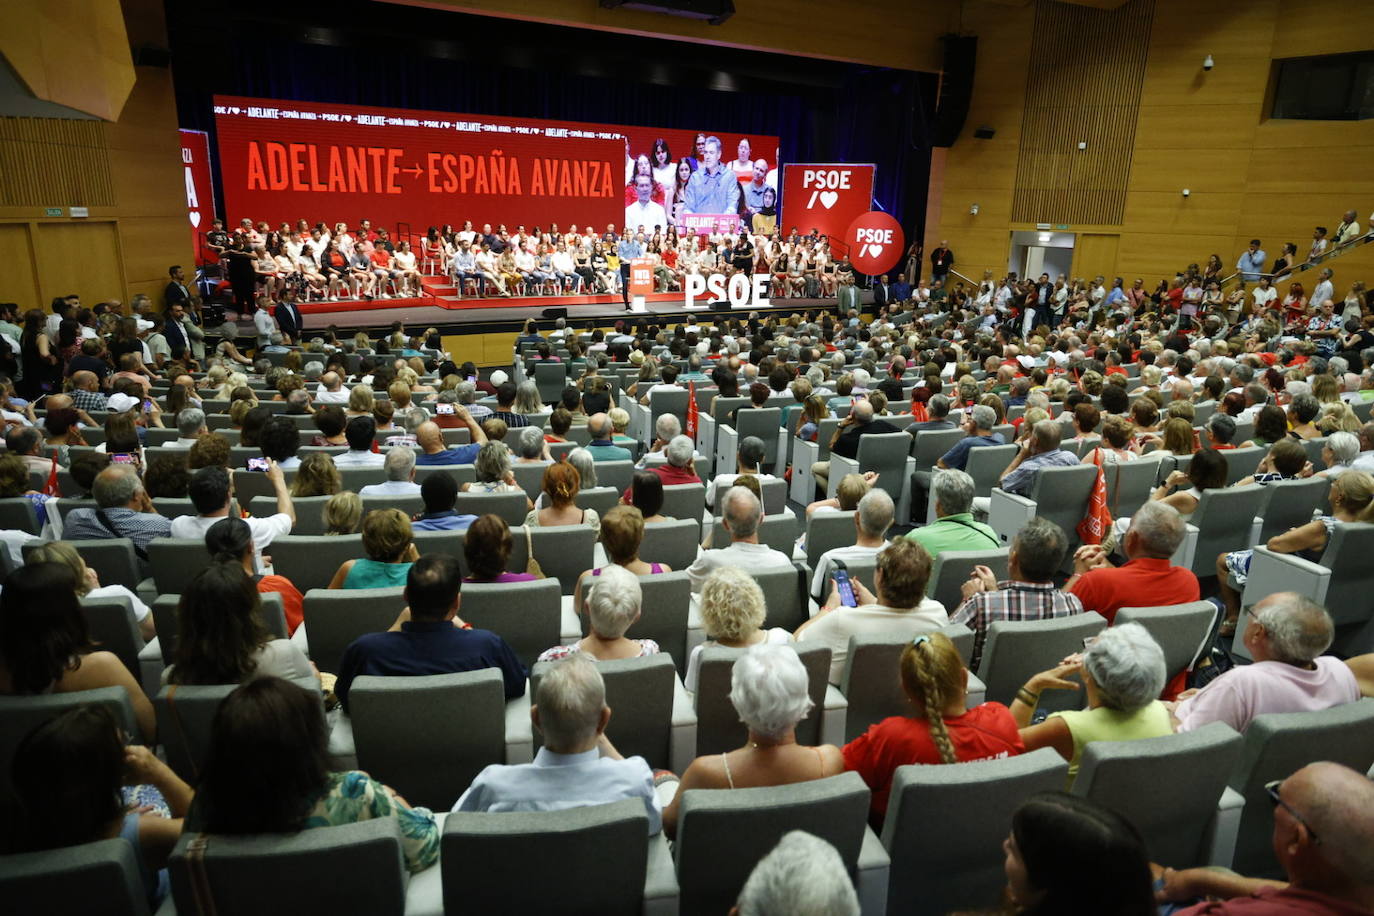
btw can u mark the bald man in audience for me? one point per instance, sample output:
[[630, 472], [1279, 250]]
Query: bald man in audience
[[1148, 578], [331, 390], [430, 438], [1323, 837], [741, 514], [845, 442], [86, 393], [1286, 634]]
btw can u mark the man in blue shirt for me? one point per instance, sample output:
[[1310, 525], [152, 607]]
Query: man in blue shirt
[[1040, 450], [628, 248], [602, 446], [440, 493], [978, 423], [428, 637], [712, 188], [430, 438], [1251, 262], [577, 765]]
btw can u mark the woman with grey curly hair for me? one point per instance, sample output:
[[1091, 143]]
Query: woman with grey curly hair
[[1123, 672], [494, 472], [769, 688]]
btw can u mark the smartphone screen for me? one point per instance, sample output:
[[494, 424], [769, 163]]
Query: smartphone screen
[[124, 458], [472, 378], [257, 464], [845, 587], [147, 405], [443, 409]]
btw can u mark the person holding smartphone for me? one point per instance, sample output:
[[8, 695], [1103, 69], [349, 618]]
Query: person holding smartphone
[[899, 607]]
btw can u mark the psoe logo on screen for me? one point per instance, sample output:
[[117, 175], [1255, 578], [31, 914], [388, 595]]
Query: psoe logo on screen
[[825, 185], [743, 290]]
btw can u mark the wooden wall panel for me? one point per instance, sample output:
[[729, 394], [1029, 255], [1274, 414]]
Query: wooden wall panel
[[1095, 254], [1056, 181], [77, 257], [1207, 131], [18, 283], [53, 162]]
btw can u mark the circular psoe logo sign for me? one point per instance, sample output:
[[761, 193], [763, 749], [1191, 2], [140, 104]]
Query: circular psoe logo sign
[[875, 243]]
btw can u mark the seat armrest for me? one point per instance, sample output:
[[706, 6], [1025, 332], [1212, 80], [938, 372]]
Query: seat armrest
[[706, 434], [804, 454], [1008, 513], [871, 875], [1223, 828], [519, 729], [833, 716], [727, 444], [1187, 551], [343, 753], [839, 467], [425, 889], [780, 466], [682, 738], [150, 667], [977, 691], [660, 879]]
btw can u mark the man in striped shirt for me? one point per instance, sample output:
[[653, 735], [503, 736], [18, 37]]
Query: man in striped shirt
[[1027, 594]]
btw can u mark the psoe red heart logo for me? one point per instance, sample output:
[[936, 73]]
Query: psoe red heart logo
[[875, 242]]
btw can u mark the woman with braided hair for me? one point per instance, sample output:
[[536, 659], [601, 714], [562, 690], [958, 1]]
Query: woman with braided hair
[[940, 728]]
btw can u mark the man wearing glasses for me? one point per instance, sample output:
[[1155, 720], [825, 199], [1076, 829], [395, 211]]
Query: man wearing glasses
[[1286, 634], [1323, 837]]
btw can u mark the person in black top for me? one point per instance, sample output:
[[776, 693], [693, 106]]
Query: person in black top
[[845, 442], [243, 275], [742, 255]]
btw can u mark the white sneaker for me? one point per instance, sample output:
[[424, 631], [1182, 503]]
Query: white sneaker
[[383, 296]]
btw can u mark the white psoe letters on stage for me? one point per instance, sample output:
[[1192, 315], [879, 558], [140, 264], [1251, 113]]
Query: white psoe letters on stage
[[743, 290]]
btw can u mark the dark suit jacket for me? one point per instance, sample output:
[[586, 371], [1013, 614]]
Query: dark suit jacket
[[881, 295], [288, 316], [176, 292]]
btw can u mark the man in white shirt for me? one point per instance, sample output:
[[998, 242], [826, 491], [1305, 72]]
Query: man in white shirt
[[871, 521], [748, 460], [211, 491], [331, 390], [668, 382], [190, 427], [1287, 634], [900, 607], [578, 765], [1324, 290], [1264, 294], [265, 325], [644, 212], [1349, 229], [666, 428], [400, 474], [360, 433], [741, 514]]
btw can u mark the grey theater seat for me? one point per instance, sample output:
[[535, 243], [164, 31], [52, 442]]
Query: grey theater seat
[[351, 868], [101, 877], [959, 865], [598, 857], [722, 833]]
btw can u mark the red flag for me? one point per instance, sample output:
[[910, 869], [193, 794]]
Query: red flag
[[1093, 528], [50, 488], [691, 430]]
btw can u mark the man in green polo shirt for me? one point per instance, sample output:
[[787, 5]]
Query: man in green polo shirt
[[954, 527]]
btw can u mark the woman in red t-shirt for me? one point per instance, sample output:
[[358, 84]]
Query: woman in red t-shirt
[[934, 678]]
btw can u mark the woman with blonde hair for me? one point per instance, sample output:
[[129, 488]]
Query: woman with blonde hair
[[361, 401], [88, 583], [1337, 417], [1175, 439], [733, 612], [769, 688], [622, 531], [342, 512], [561, 486], [1352, 500], [940, 728], [814, 409], [317, 476], [389, 544]]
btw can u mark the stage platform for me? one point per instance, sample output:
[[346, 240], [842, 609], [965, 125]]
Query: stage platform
[[452, 314]]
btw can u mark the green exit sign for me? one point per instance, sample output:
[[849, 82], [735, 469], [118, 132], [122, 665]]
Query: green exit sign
[[1062, 228], [52, 211]]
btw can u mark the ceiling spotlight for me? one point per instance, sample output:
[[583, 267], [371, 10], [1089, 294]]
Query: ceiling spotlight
[[973, 209], [1208, 63]]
